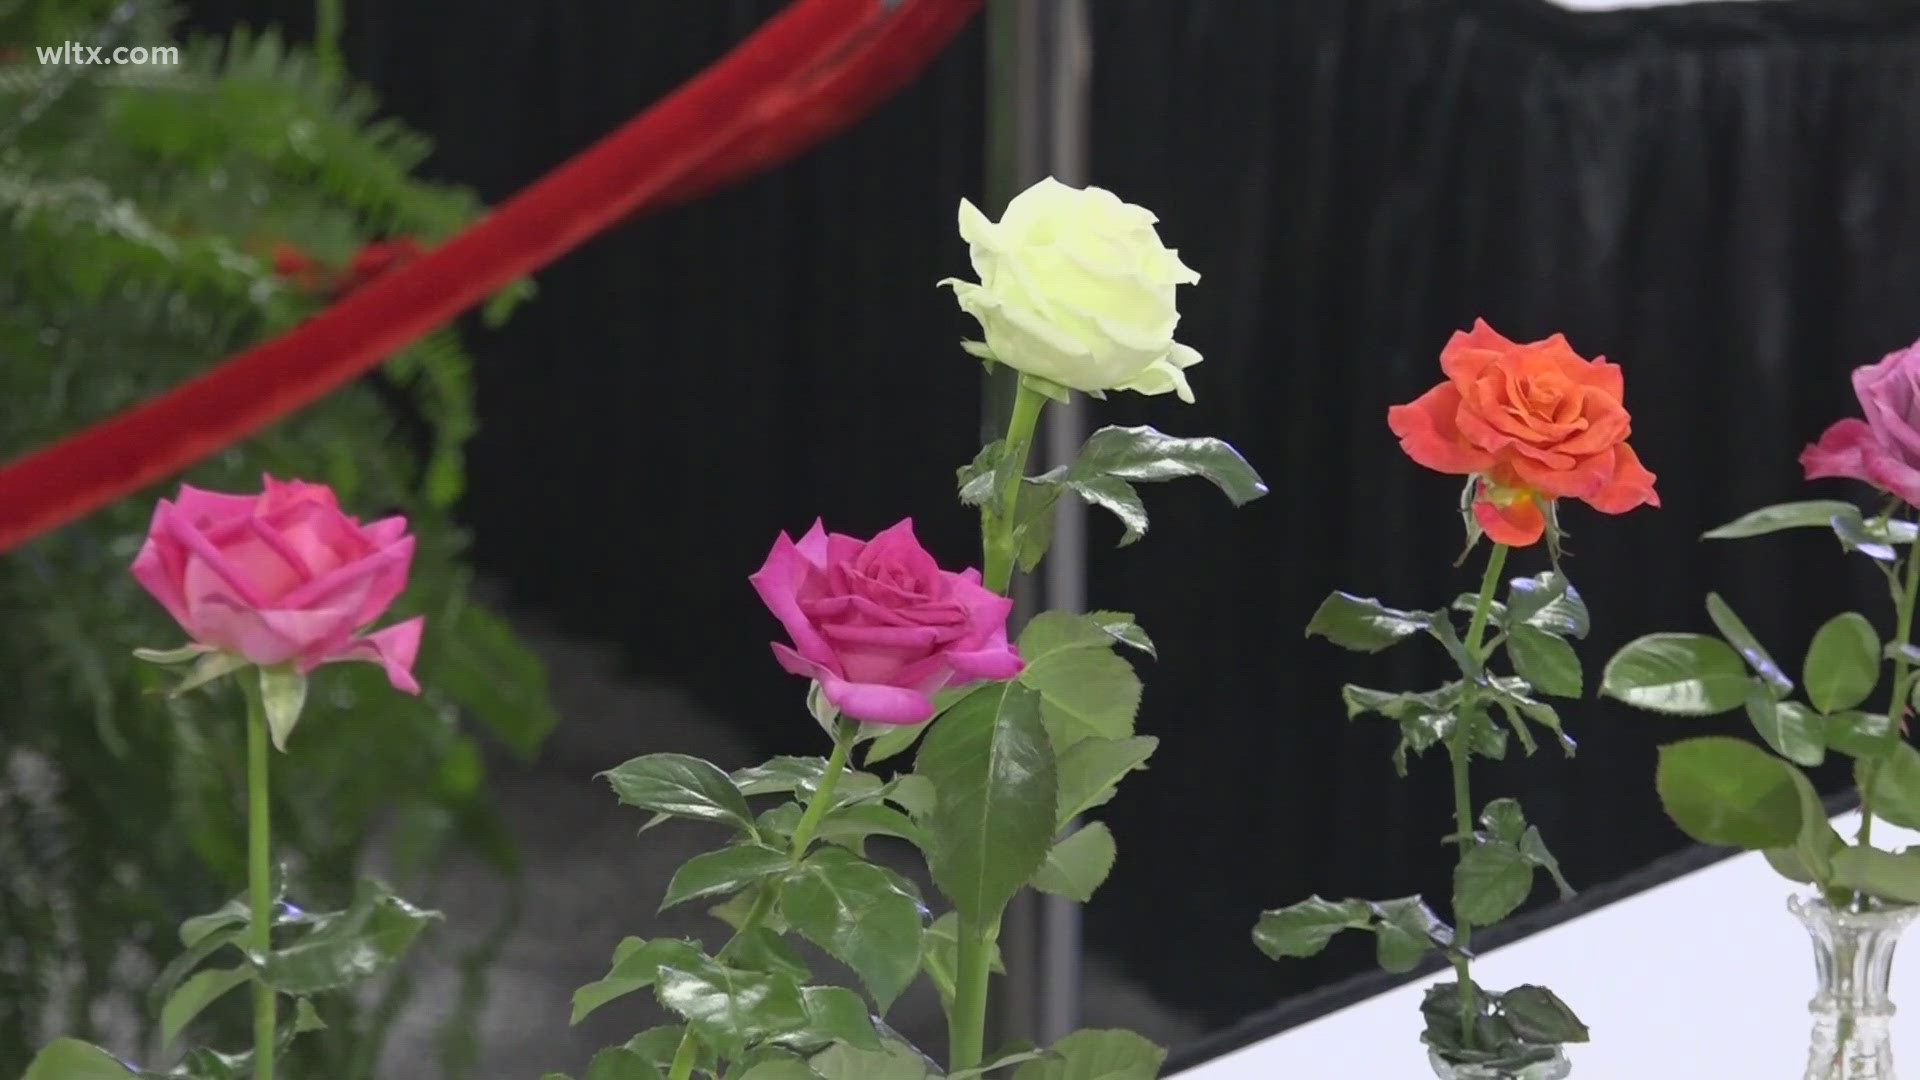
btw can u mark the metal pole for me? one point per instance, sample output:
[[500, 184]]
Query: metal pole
[[1038, 78]]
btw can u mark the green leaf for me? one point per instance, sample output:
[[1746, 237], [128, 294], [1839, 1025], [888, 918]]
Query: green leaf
[[1143, 454], [346, 947], [1858, 734], [619, 1063], [1096, 1055], [940, 950], [71, 1059], [895, 1061], [731, 1009], [779, 1069], [1118, 498], [1547, 601], [215, 665], [1086, 690], [1730, 792], [1893, 789], [1078, 864], [1882, 874], [1856, 535], [780, 775], [724, 871], [849, 826], [1793, 515], [1512, 692], [1365, 624], [836, 1014], [306, 1018], [1682, 674], [1544, 660], [896, 739], [863, 914], [914, 794], [1120, 626], [1424, 718], [1792, 730], [992, 766], [283, 692], [1748, 646], [636, 966], [1534, 848], [1407, 928], [1303, 929], [184, 654], [977, 480], [1491, 880], [659, 1045], [1007, 1058], [200, 990], [1090, 769], [681, 786], [761, 949], [1504, 821], [1538, 1016], [1843, 663]]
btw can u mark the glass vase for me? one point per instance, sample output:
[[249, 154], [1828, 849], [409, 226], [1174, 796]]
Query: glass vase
[[1853, 958], [1553, 1068]]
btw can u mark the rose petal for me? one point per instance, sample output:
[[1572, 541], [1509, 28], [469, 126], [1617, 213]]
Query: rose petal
[[795, 664], [1630, 485], [778, 582], [160, 563], [1429, 433], [1581, 478], [1839, 451], [394, 649], [876, 704], [1517, 524], [207, 506], [998, 661]]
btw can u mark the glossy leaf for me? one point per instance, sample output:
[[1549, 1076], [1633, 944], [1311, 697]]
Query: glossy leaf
[[1407, 928], [1544, 660], [1794, 515], [1858, 734], [1748, 646], [1894, 789], [1143, 454], [727, 870], [1730, 792], [850, 826], [781, 775], [1547, 601], [836, 1014], [1119, 625], [1791, 729], [1492, 879], [1096, 1055], [1090, 769], [863, 914], [1077, 865], [1512, 692], [991, 763], [1843, 663], [1537, 1015], [680, 786], [731, 1009], [1303, 929], [71, 1059], [636, 966], [1364, 624], [1682, 674], [200, 990], [346, 947]]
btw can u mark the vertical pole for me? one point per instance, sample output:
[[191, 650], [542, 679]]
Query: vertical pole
[[1039, 63]]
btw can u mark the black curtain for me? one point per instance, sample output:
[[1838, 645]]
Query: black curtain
[[1713, 195]]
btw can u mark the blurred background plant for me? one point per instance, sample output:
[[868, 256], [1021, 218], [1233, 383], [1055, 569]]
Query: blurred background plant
[[152, 220]]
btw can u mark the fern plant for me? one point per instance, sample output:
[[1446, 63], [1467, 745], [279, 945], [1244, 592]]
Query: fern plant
[[139, 212]]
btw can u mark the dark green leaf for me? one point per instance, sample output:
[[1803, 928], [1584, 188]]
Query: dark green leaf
[[992, 766], [1513, 692], [619, 1063], [636, 966], [1407, 928], [1491, 880], [1365, 624], [1117, 497], [1537, 1015], [1748, 646], [346, 947], [1120, 626], [1793, 731], [1077, 865], [680, 786], [1893, 788], [1141, 453], [1547, 601], [1090, 768], [1534, 848], [1858, 734], [1096, 1055], [71, 1059], [761, 949], [861, 913], [835, 1013], [732, 1009], [1793, 515], [200, 990], [781, 775], [1303, 929], [1683, 674], [1504, 821], [1544, 660], [1843, 663], [724, 871], [1881, 874], [849, 826], [977, 480], [1730, 792]]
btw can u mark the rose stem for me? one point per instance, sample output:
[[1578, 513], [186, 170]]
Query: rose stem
[[998, 523], [843, 738], [1461, 751], [1897, 704], [259, 873]]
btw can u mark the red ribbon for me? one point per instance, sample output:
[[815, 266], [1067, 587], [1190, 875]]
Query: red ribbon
[[808, 72]]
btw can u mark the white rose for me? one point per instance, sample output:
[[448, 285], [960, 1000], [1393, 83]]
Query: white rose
[[1076, 287]]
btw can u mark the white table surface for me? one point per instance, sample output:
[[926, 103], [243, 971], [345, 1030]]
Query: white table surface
[[1705, 977]]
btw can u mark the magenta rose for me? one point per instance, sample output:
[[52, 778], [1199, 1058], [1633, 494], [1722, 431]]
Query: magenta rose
[[282, 577], [879, 624], [1883, 449]]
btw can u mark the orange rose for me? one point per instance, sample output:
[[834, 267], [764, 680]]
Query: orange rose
[[1534, 422]]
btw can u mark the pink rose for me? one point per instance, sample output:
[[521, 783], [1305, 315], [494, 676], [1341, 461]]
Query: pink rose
[[281, 577], [1883, 449], [879, 624]]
